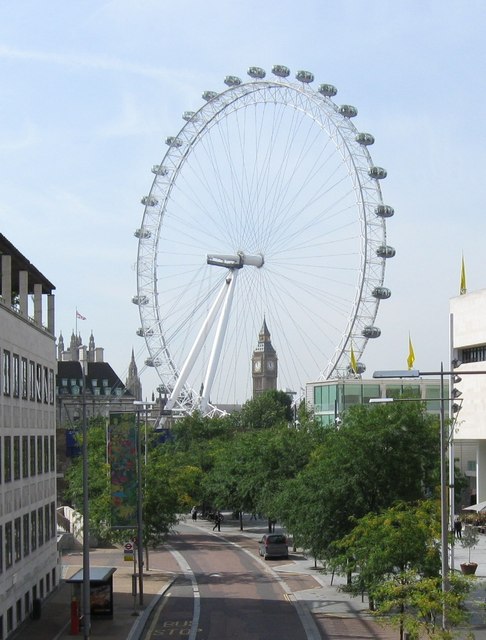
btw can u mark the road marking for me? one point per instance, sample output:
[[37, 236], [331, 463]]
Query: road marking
[[157, 615], [189, 573]]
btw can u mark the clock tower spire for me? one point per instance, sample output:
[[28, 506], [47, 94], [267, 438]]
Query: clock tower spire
[[264, 363]]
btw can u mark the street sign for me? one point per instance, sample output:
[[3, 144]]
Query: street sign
[[128, 552]]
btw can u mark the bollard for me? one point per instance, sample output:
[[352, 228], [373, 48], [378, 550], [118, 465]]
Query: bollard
[[74, 617]]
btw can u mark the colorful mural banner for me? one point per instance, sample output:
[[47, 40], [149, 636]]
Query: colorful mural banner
[[122, 454]]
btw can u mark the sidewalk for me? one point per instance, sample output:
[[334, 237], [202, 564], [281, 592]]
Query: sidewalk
[[128, 618]]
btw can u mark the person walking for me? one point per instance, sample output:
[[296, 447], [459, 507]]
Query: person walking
[[457, 527], [218, 518], [194, 513]]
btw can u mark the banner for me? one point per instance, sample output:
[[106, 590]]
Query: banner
[[122, 455]]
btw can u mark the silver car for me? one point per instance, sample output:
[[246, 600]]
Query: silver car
[[273, 545]]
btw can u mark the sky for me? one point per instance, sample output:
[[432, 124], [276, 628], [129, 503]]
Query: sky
[[91, 89]]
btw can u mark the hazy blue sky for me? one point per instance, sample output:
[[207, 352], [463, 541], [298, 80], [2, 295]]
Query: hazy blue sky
[[91, 89]]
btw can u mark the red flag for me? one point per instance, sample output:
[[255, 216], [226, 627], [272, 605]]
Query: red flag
[[79, 316]]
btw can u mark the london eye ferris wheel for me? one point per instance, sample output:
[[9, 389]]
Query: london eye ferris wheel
[[266, 205]]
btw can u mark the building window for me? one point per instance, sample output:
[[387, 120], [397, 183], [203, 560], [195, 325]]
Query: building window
[[24, 382], [53, 519], [474, 354], [26, 534], [8, 545], [16, 457], [18, 539], [25, 456], [38, 383], [32, 456], [6, 373], [39, 454], [45, 385], [52, 456], [471, 465], [33, 530], [46, 454], [51, 386], [40, 526], [47, 523], [31, 380], [7, 458], [16, 375]]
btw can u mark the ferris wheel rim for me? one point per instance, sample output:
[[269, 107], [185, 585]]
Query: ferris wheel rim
[[179, 149]]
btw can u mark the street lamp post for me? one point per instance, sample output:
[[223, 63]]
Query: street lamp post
[[86, 571], [140, 405]]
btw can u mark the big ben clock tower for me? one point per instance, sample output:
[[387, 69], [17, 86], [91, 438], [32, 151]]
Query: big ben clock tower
[[264, 363]]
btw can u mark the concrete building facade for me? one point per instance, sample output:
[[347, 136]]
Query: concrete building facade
[[28, 534], [468, 352]]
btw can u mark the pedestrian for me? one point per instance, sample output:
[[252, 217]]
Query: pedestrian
[[194, 512], [218, 518], [457, 527]]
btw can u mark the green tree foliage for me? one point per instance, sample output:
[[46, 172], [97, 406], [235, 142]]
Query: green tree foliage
[[98, 480], [380, 454], [267, 410]]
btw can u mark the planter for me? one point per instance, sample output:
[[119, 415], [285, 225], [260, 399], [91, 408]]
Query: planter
[[469, 568]]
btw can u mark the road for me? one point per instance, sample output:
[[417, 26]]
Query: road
[[224, 591]]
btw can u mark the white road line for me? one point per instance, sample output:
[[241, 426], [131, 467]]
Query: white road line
[[189, 573]]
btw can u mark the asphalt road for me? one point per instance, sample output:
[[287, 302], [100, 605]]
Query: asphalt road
[[225, 591]]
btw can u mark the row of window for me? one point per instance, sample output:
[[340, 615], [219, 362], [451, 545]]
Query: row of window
[[25, 534], [26, 379], [22, 612], [26, 456], [474, 354]]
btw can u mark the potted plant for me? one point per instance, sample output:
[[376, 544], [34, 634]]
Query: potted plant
[[470, 538]]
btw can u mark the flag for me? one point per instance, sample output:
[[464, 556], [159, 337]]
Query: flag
[[463, 278], [411, 353], [79, 316], [354, 364]]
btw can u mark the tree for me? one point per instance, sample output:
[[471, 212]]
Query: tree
[[98, 481], [395, 558], [379, 455]]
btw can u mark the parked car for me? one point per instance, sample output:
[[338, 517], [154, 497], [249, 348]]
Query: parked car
[[273, 545]]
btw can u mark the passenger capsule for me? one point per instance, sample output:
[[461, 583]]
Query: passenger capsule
[[371, 332], [209, 95], [328, 90], [377, 172], [144, 332], [149, 201], [140, 300], [365, 139], [360, 368], [172, 141], [348, 111], [385, 251], [160, 170], [384, 211], [188, 115], [153, 362], [381, 293], [232, 81], [280, 71], [142, 233], [304, 76], [256, 72]]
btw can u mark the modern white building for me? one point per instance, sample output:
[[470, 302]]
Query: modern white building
[[28, 533], [468, 342]]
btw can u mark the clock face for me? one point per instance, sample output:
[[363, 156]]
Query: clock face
[[257, 365], [270, 365]]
